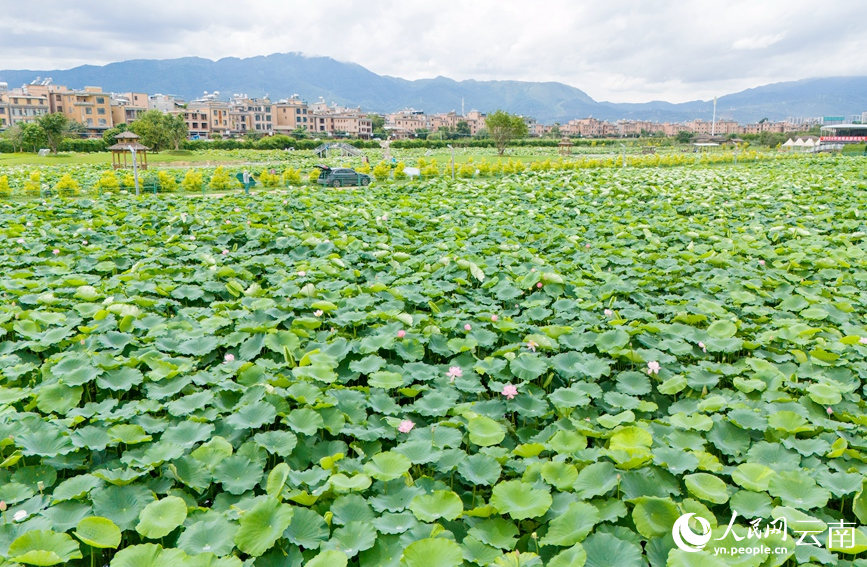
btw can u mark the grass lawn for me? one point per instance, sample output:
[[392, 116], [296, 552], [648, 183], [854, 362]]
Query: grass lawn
[[168, 158]]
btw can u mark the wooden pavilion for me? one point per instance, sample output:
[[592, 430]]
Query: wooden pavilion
[[565, 146], [121, 152]]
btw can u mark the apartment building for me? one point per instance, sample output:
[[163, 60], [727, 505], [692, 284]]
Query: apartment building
[[19, 106], [589, 128], [90, 106], [291, 113], [127, 107], [216, 112], [250, 115], [164, 103], [405, 123], [198, 123]]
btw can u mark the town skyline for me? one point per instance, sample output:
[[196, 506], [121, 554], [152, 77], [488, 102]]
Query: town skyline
[[617, 51]]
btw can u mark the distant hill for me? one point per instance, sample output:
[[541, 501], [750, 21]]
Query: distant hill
[[284, 74]]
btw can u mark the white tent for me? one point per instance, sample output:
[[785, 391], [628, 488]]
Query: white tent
[[809, 143], [799, 142], [789, 143]]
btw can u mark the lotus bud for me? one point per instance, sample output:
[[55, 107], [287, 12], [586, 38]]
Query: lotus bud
[[2, 505]]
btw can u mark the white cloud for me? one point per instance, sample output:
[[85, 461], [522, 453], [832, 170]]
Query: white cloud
[[758, 42], [619, 50]]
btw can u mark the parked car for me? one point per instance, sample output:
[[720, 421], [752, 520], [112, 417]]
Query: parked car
[[341, 176]]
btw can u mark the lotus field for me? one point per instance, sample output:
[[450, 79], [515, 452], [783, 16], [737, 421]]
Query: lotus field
[[546, 369]]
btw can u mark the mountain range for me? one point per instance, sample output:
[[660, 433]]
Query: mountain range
[[283, 74]]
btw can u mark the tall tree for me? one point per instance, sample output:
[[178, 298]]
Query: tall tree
[[504, 127], [176, 129], [462, 129], [151, 128], [56, 127], [109, 136], [15, 135], [32, 136]]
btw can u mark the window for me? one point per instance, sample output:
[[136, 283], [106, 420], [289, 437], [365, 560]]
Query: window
[[88, 111], [100, 100], [90, 121], [102, 122], [297, 111], [2, 110], [59, 109], [100, 111]]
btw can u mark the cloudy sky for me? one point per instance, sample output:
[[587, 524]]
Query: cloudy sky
[[616, 50]]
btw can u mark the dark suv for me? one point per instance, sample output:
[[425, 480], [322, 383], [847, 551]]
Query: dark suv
[[341, 176]]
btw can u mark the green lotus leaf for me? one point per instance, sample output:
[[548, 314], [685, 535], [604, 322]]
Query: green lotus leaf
[[707, 487], [76, 487], [307, 529], [252, 416], [211, 560], [98, 532], [681, 558], [596, 479], [329, 558], [559, 474], [528, 366], [261, 527], [433, 552], [606, 550], [572, 526], [497, 532], [387, 466], [121, 504], [798, 490], [438, 504], [352, 538], [485, 432], [238, 474], [58, 398], [160, 518], [147, 555], [280, 443], [611, 341], [305, 420], [824, 394], [520, 500], [722, 329], [653, 516], [43, 547], [128, 434], [211, 536], [574, 556], [751, 504], [199, 346]]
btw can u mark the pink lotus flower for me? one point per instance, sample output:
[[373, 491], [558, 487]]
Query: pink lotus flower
[[587, 245], [84, 243], [509, 391], [229, 358], [2, 505], [401, 334], [531, 345], [192, 237], [30, 223], [863, 340], [539, 284], [608, 312], [20, 241], [830, 411], [454, 372], [302, 273], [653, 367], [494, 318], [532, 269], [228, 221], [761, 262], [237, 210], [284, 201], [225, 252], [468, 327], [55, 251], [702, 347], [318, 312], [405, 426]]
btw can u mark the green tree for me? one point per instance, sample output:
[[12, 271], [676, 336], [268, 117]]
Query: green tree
[[683, 137], [462, 129], [555, 130], [33, 136], [56, 128], [378, 124], [176, 129], [504, 127], [15, 135], [110, 135], [151, 128]]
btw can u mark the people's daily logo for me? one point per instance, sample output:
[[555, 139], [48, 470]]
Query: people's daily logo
[[685, 538]]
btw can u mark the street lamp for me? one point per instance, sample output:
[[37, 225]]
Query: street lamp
[[135, 171], [449, 146]]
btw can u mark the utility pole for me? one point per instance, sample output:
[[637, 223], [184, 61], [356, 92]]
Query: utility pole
[[135, 171], [713, 121]]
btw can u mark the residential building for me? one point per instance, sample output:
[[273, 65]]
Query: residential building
[[250, 115], [197, 121], [291, 113], [127, 107], [164, 103], [405, 123], [19, 106], [217, 113]]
